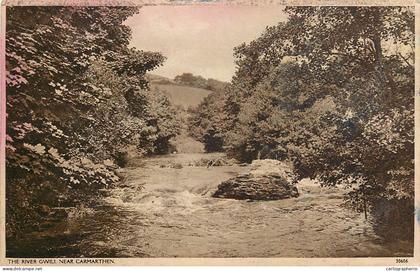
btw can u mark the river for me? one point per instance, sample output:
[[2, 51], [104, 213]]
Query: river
[[164, 208]]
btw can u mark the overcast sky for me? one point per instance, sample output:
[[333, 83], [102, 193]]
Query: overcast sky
[[199, 39]]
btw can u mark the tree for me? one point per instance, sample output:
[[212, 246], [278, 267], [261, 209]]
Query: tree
[[208, 122], [366, 57], [76, 98]]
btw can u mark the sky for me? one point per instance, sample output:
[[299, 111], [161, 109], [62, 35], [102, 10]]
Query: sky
[[199, 38]]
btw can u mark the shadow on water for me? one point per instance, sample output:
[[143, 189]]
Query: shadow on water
[[86, 235]]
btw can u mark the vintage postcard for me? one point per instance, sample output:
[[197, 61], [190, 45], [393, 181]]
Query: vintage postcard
[[209, 133]]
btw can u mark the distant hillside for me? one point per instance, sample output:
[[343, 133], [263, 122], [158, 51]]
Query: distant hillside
[[191, 80], [157, 79], [182, 95], [183, 92]]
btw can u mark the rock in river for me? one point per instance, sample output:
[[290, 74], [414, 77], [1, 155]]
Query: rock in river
[[256, 187]]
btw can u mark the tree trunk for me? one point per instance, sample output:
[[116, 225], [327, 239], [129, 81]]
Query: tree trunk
[[364, 208]]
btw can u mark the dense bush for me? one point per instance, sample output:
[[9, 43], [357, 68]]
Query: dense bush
[[76, 99]]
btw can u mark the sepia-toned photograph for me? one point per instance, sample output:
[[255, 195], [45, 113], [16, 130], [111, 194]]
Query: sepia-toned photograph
[[209, 131]]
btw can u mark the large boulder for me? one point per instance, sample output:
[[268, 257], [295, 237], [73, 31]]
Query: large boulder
[[257, 187]]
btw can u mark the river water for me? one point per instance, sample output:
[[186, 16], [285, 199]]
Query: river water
[[165, 209]]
